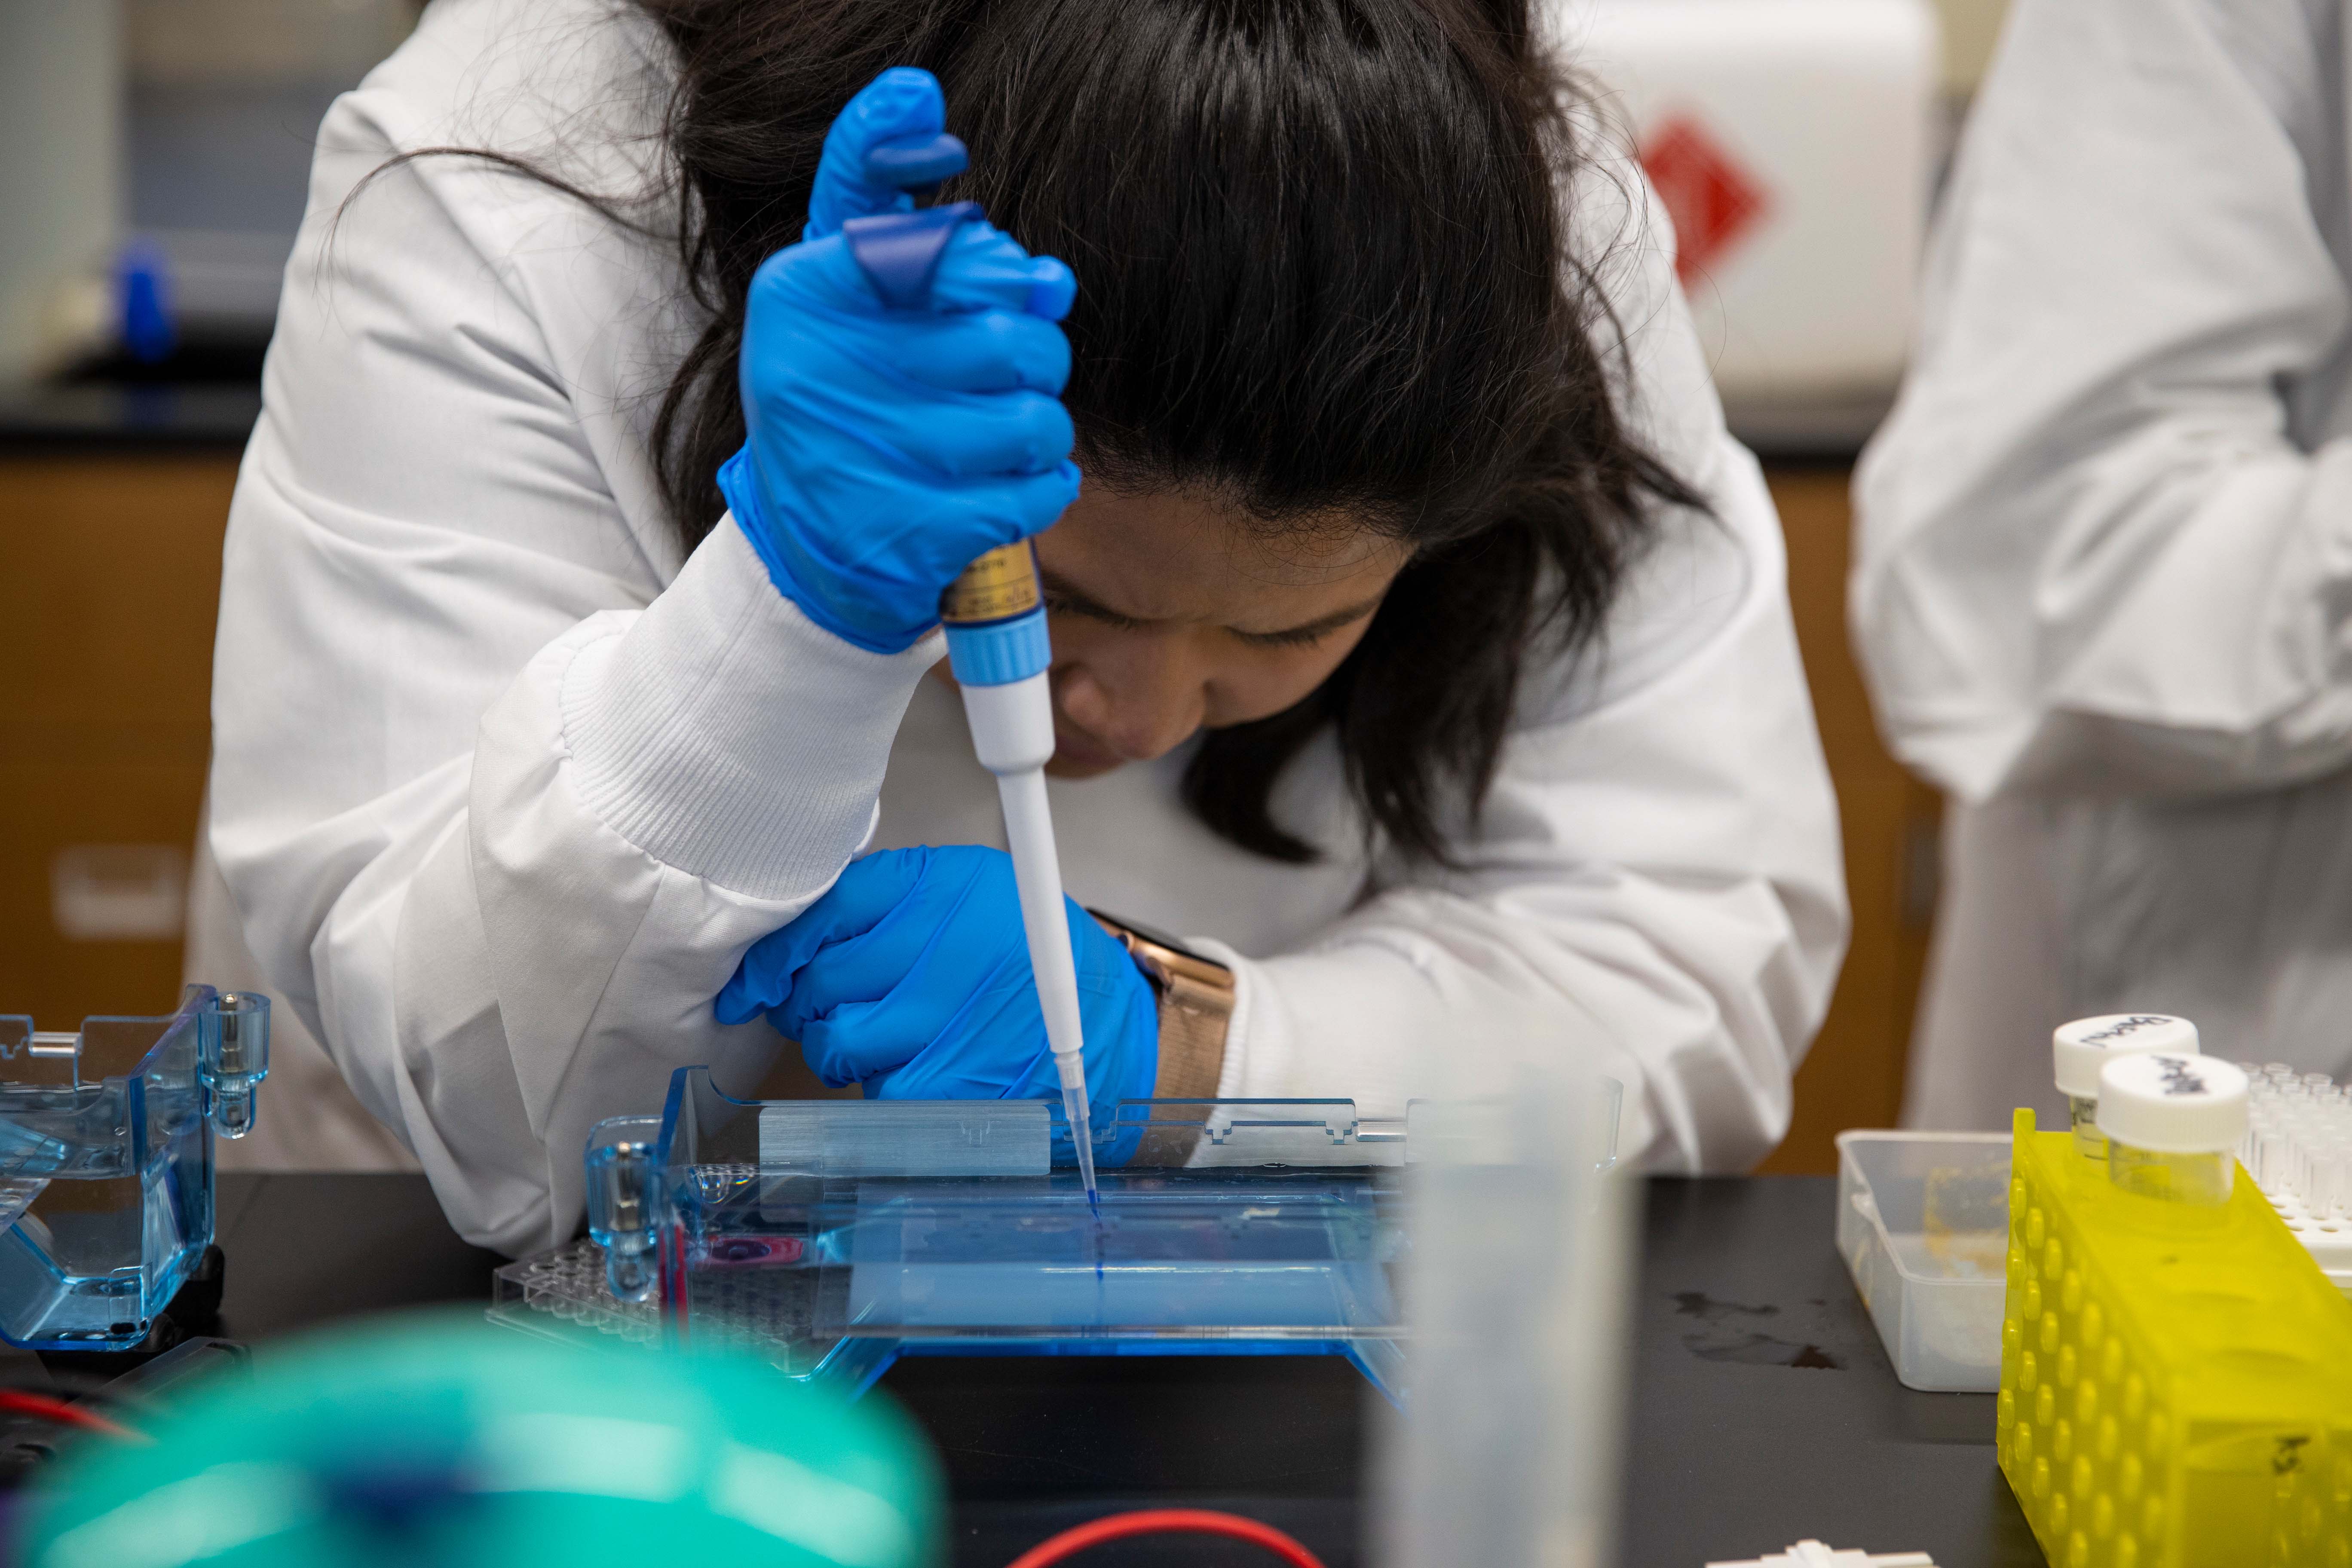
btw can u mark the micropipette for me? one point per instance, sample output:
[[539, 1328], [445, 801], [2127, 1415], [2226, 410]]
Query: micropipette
[[995, 619], [997, 645]]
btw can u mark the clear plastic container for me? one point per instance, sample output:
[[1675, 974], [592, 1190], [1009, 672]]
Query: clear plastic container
[[1923, 1224], [106, 1161], [834, 1236], [1516, 1285]]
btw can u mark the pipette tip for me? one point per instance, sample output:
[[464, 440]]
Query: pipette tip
[[1082, 1138]]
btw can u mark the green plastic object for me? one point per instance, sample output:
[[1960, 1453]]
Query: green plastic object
[[436, 1439]]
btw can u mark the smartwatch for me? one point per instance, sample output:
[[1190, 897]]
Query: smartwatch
[[1196, 1007]]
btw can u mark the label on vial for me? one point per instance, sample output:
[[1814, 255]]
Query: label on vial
[[2125, 1028]]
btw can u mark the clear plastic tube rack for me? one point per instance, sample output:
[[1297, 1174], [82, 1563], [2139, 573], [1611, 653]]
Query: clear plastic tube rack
[[2298, 1150]]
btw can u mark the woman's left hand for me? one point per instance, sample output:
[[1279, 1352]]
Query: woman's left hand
[[911, 976]]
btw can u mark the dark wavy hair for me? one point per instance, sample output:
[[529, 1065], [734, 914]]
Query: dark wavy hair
[[1322, 268]]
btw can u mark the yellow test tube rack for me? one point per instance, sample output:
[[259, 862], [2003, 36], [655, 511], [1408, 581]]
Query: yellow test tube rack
[[2176, 1383]]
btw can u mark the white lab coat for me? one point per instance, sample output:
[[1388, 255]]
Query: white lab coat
[[504, 784], [2104, 581]]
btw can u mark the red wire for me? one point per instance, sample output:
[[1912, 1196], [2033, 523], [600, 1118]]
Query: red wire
[[1166, 1522], [65, 1414]]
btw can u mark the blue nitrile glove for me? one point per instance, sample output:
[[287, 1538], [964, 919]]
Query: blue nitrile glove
[[911, 976], [902, 103], [887, 449]]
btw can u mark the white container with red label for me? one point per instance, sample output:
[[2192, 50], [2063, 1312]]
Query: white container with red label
[[1794, 144]]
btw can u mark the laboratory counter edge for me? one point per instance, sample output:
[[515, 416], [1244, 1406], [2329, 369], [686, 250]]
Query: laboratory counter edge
[[1763, 1409], [126, 420], [218, 416]]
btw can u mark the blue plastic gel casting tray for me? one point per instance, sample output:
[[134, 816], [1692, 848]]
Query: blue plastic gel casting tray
[[834, 1235], [106, 1161]]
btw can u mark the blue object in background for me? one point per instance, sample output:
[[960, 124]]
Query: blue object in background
[[142, 289]]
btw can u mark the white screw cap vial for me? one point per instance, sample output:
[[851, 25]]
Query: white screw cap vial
[[2079, 1049], [2173, 1125]]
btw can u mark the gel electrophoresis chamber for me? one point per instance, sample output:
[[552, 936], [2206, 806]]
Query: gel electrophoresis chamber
[[834, 1236]]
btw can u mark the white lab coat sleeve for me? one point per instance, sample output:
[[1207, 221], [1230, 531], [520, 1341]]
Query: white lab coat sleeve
[[502, 810], [1654, 890], [2095, 553]]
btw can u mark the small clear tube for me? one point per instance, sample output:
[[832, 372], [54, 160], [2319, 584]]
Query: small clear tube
[[2270, 1160], [2332, 1188]]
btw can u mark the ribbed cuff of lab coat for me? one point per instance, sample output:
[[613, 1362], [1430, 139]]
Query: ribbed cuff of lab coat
[[726, 734]]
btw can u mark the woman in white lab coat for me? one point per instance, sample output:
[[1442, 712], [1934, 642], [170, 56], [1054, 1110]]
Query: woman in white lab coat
[[2104, 590], [1422, 653]]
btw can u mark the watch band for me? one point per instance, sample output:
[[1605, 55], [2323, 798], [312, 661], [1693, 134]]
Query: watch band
[[1196, 1008]]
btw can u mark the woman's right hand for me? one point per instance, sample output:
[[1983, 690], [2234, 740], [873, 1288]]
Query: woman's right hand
[[886, 449]]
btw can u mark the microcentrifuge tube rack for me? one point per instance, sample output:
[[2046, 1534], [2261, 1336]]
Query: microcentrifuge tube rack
[[2298, 1150]]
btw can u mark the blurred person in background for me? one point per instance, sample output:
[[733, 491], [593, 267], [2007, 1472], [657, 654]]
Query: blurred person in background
[[2102, 589]]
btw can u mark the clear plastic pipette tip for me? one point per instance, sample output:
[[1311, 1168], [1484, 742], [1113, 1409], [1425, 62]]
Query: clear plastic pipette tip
[[1082, 1137]]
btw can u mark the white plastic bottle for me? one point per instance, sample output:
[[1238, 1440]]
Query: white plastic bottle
[[2173, 1125], [2080, 1049]]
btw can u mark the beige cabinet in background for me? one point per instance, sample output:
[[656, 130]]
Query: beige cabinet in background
[[111, 565], [1852, 1077]]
